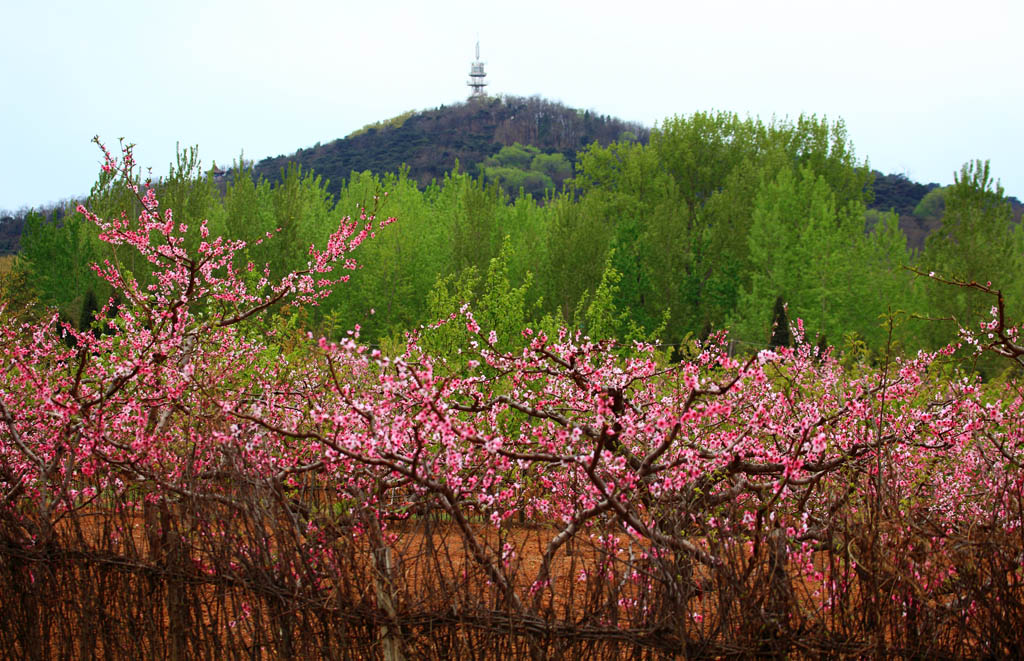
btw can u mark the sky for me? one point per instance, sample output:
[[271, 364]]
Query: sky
[[923, 87]]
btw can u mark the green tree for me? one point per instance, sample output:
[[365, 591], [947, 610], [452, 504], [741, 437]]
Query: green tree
[[601, 318], [802, 248], [524, 170], [516, 182], [554, 166], [192, 196], [881, 282], [682, 206], [90, 306], [576, 243], [303, 210], [932, 205], [444, 335], [399, 266], [248, 205], [780, 334], [513, 156], [975, 242], [56, 253], [501, 307], [474, 236]]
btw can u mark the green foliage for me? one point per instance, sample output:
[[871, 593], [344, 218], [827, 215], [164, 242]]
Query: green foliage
[[17, 294], [932, 205], [524, 170], [475, 234], [683, 208], [302, 212], [854, 353], [446, 336], [501, 307], [577, 240], [393, 123], [555, 166], [803, 248], [192, 195], [514, 181], [975, 242], [90, 306], [248, 205], [513, 156], [883, 282], [56, 253], [601, 318]]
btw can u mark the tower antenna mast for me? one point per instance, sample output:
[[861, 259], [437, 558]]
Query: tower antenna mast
[[477, 76]]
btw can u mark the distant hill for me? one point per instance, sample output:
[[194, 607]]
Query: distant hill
[[430, 142], [896, 192], [11, 225]]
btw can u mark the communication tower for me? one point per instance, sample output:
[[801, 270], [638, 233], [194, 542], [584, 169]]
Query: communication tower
[[476, 76]]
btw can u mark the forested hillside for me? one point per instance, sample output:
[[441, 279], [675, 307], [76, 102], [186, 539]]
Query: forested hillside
[[430, 143]]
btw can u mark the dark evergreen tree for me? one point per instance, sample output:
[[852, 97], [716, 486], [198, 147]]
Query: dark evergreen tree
[[780, 326], [90, 307]]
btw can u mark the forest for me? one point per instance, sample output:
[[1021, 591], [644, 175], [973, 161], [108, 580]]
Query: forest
[[705, 226]]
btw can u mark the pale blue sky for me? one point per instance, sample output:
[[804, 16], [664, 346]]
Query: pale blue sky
[[922, 86]]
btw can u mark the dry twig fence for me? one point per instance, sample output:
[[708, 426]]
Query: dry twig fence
[[159, 584]]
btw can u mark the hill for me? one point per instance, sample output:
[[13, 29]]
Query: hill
[[432, 141], [898, 193]]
